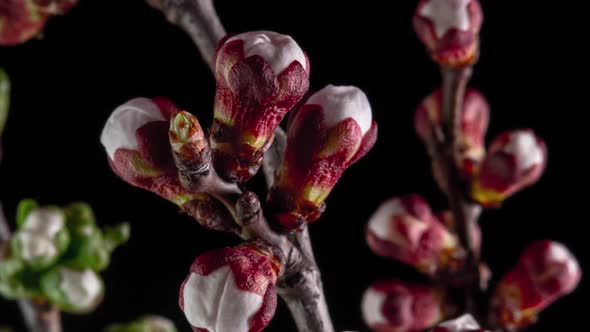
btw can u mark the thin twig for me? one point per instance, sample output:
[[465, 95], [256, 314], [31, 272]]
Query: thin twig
[[199, 19]]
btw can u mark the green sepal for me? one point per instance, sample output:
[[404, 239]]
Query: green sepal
[[16, 281], [24, 208], [115, 236]]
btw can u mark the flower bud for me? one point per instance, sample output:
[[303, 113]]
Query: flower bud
[[396, 306], [75, 291], [404, 229], [41, 238], [135, 138], [474, 124], [465, 323], [515, 160], [189, 145], [20, 21], [545, 272], [330, 132], [260, 76], [230, 290], [450, 30]]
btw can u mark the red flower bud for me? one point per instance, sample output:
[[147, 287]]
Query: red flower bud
[[260, 76], [516, 159], [396, 306], [545, 271], [450, 30], [405, 229], [330, 132], [136, 140], [19, 21], [230, 290], [474, 124], [465, 323]]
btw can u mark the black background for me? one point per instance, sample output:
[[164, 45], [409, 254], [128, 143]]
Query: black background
[[106, 52]]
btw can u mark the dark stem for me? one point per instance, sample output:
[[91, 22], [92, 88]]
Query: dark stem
[[199, 19], [38, 318], [465, 213]]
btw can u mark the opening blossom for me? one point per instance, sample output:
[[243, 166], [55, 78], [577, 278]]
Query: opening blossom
[[231, 290], [330, 132], [515, 160], [396, 306], [260, 76], [405, 229], [450, 30], [546, 271]]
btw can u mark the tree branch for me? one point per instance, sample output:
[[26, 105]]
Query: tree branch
[[465, 212], [199, 19]]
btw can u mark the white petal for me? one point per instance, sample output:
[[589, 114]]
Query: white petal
[[34, 245], [214, 302], [47, 222], [343, 102], [380, 222], [119, 131], [277, 49], [461, 324], [372, 306], [446, 15], [82, 288], [524, 146]]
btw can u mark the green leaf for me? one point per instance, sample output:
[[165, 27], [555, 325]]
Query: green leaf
[[24, 208], [4, 99]]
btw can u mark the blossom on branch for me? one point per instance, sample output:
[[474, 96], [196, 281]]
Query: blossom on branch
[[135, 138], [465, 323], [330, 132], [260, 76], [546, 271], [231, 290], [74, 291], [450, 30], [404, 228], [515, 160], [402, 307]]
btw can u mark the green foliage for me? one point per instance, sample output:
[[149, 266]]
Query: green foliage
[[4, 98], [144, 324], [52, 243]]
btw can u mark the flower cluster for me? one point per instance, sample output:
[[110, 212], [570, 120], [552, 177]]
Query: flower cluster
[[56, 256], [157, 146], [21, 20], [452, 123]]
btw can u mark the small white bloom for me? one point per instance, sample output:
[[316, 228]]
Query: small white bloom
[[35, 246], [342, 102], [81, 288], [277, 49], [446, 15], [120, 129], [46, 222]]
